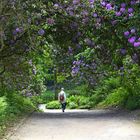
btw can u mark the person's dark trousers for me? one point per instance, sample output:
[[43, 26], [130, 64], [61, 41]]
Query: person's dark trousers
[[63, 106]]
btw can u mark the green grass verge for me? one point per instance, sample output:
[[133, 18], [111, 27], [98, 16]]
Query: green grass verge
[[11, 109]]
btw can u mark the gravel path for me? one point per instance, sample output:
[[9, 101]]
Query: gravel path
[[79, 125]]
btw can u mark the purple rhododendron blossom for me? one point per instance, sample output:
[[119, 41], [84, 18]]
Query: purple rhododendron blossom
[[127, 33], [41, 32], [114, 22], [123, 51], [130, 10], [70, 50], [84, 13], [71, 13], [137, 44], [109, 6], [132, 39], [85, 20], [18, 29], [130, 15], [95, 15], [133, 2], [118, 14], [75, 70], [122, 10], [56, 5], [78, 62], [103, 3], [133, 31], [91, 1], [76, 2], [78, 34], [135, 57], [123, 5], [88, 41], [98, 20]]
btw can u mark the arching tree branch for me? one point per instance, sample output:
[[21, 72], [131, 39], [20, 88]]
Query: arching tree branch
[[1, 72]]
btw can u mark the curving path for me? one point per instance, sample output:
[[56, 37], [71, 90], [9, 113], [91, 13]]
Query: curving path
[[79, 125]]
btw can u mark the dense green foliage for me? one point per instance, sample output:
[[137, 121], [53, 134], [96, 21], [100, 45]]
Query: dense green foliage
[[119, 89], [47, 96], [53, 105], [91, 47], [11, 108], [73, 102]]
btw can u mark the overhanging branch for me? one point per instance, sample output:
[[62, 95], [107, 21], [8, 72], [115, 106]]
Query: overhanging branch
[[1, 72]]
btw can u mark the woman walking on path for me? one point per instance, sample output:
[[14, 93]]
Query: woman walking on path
[[62, 99]]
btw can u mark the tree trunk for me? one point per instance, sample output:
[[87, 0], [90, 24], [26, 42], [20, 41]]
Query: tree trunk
[[55, 82]]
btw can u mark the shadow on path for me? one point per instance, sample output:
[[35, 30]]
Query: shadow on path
[[84, 114]]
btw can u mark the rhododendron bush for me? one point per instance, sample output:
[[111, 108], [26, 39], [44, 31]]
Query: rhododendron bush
[[82, 35]]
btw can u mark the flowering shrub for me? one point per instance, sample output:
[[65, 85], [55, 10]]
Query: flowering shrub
[[95, 34]]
